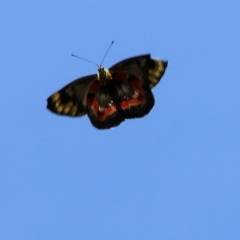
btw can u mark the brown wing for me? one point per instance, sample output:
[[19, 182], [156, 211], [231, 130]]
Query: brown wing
[[71, 99], [131, 85], [147, 69]]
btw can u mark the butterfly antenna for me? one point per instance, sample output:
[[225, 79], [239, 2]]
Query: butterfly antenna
[[85, 60], [106, 52]]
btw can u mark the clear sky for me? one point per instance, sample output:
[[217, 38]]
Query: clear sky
[[174, 174]]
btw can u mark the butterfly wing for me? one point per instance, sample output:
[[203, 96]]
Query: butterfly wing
[[71, 99], [147, 69], [131, 86]]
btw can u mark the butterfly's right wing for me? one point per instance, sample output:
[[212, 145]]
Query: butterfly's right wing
[[71, 100], [131, 85]]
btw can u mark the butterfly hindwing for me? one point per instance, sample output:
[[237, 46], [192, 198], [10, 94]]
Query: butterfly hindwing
[[101, 108], [132, 100]]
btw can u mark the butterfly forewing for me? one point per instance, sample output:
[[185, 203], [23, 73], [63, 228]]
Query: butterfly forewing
[[149, 70], [136, 66], [71, 99], [156, 69]]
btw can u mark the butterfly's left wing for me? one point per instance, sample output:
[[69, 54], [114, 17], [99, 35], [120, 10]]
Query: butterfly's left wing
[[131, 85], [71, 100], [86, 96]]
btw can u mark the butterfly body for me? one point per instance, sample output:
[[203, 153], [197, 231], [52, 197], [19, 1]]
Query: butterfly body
[[113, 95]]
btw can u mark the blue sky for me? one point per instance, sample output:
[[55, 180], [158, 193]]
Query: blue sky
[[173, 174]]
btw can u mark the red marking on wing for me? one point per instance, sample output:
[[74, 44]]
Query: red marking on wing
[[102, 115], [120, 76], [100, 112], [138, 99], [94, 88], [128, 103]]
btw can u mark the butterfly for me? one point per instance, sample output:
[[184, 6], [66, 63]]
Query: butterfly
[[108, 98]]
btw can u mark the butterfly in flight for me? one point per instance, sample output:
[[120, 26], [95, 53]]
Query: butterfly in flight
[[108, 98]]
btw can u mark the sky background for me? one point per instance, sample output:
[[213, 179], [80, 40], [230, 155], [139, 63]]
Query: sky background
[[174, 174]]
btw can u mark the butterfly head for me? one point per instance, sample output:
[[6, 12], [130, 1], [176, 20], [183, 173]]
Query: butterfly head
[[103, 75]]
